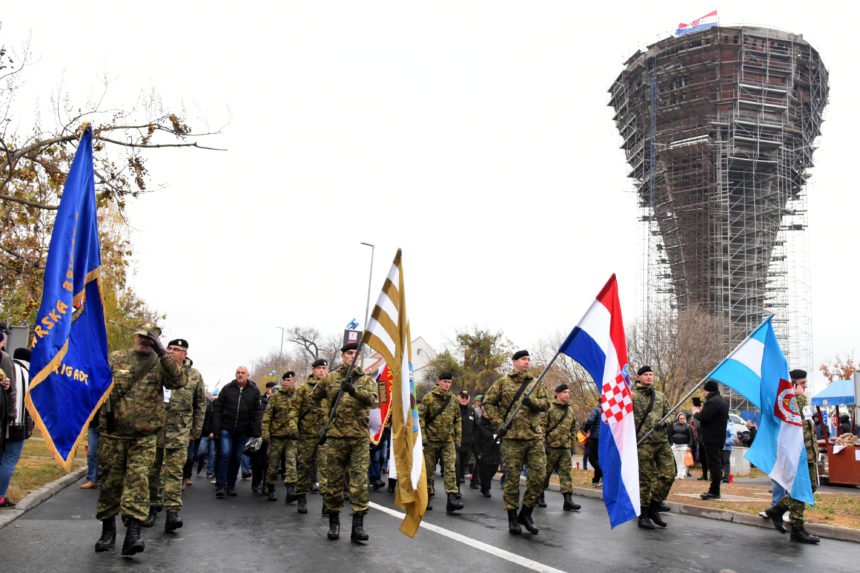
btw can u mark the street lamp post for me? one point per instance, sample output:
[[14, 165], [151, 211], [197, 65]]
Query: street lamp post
[[281, 354], [369, 281]]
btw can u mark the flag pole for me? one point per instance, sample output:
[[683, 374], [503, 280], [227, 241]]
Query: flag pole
[[702, 381], [528, 392]]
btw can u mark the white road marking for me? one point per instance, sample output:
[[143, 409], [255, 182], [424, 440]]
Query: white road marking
[[501, 553]]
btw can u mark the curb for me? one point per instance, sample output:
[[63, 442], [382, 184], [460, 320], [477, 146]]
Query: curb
[[819, 529], [34, 498]]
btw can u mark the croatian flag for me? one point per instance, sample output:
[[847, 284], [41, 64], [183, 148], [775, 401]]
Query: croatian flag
[[708, 20], [599, 344], [778, 449], [741, 370]]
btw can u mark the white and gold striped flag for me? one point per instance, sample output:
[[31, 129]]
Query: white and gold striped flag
[[388, 333]]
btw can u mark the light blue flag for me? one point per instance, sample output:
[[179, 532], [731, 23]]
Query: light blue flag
[[70, 372], [741, 370]]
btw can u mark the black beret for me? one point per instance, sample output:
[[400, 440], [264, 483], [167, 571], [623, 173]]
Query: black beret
[[288, 374], [319, 362], [643, 370], [797, 374], [4, 327], [445, 376], [711, 386], [520, 354], [21, 354], [180, 342], [464, 393], [349, 346], [561, 388], [270, 384]]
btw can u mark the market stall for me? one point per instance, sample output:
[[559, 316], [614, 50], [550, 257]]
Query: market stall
[[843, 452]]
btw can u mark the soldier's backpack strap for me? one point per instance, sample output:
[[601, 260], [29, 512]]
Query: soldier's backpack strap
[[647, 411], [560, 420], [432, 417], [519, 393]]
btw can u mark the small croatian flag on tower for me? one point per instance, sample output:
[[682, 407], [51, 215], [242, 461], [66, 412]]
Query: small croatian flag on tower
[[599, 344], [708, 20]]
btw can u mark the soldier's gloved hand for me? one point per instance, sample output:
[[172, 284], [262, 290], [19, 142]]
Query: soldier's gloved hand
[[346, 386], [500, 433], [156, 345], [255, 444], [527, 402]]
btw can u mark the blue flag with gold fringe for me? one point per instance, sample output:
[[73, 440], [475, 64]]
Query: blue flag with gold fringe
[[70, 376]]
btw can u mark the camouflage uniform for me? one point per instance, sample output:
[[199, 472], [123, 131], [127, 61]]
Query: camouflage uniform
[[524, 442], [132, 417], [309, 416], [441, 437], [788, 503], [348, 437], [279, 428], [559, 444], [186, 409], [656, 463]]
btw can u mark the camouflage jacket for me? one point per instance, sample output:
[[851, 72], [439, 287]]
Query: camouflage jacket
[[641, 398], [352, 418], [808, 429], [278, 421], [561, 427], [135, 407], [445, 426], [186, 409], [309, 415], [529, 423]]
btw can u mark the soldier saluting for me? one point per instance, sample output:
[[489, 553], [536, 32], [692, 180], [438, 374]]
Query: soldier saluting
[[133, 415]]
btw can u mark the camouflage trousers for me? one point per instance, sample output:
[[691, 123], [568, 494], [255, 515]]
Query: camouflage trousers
[[559, 458], [342, 455], [124, 464], [308, 450], [516, 454], [279, 447], [796, 507], [656, 472], [165, 477], [433, 451]]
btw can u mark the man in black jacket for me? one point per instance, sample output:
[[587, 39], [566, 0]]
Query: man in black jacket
[[714, 418], [236, 415], [464, 450]]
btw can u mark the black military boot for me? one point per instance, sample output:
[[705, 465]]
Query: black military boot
[[541, 501], [569, 504], [453, 503], [513, 525], [654, 514], [290, 496], [333, 525], [108, 539], [799, 534], [645, 522], [303, 503], [270, 492], [132, 543], [391, 485], [525, 519], [358, 533], [150, 519], [173, 521], [775, 516], [325, 510]]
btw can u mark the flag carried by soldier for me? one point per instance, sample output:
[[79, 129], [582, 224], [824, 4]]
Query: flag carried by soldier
[[388, 333], [70, 372], [599, 344]]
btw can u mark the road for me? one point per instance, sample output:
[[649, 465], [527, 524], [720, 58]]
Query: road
[[249, 534]]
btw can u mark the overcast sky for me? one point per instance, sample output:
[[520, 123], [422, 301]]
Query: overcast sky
[[476, 136]]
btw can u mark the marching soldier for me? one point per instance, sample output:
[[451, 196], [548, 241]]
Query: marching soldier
[[796, 507], [309, 416], [560, 432], [132, 416], [522, 441], [186, 409], [279, 429], [439, 415], [347, 436], [656, 463]]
